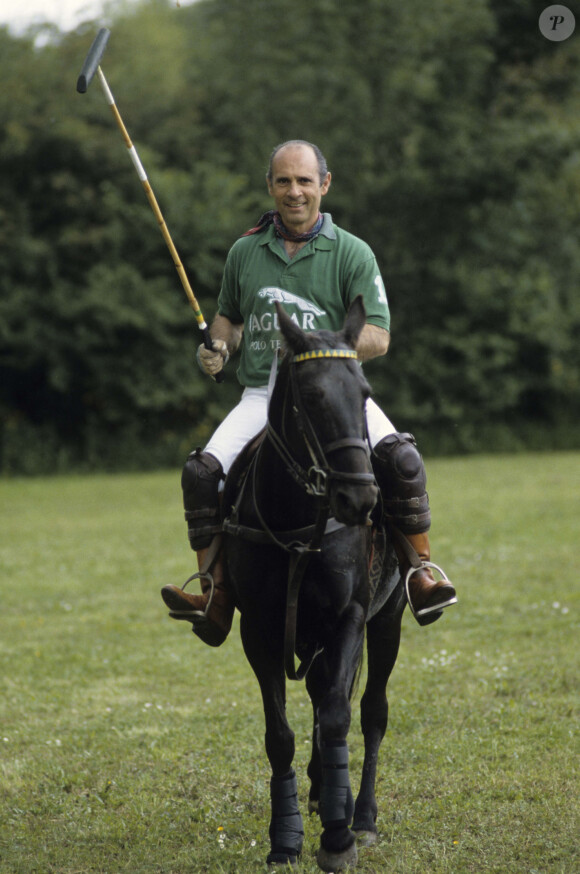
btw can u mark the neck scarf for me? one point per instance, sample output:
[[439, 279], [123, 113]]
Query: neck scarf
[[273, 217]]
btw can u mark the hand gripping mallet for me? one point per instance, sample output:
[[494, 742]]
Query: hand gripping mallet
[[90, 67]]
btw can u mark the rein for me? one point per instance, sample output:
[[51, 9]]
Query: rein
[[316, 482], [301, 544]]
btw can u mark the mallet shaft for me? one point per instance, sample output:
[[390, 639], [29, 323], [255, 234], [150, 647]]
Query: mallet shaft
[[91, 67], [153, 202]]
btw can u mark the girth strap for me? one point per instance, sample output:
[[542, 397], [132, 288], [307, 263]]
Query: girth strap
[[291, 539]]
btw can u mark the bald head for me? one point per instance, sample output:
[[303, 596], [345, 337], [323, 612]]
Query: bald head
[[300, 144]]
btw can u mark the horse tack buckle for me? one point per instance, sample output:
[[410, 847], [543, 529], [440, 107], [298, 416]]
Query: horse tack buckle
[[318, 482]]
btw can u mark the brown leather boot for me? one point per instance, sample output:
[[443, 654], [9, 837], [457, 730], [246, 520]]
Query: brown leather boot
[[427, 597], [210, 613]]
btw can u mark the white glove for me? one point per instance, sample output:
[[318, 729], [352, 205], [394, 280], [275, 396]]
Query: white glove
[[211, 361]]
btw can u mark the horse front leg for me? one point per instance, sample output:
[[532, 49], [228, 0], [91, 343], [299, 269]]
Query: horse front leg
[[336, 804], [383, 638], [286, 829]]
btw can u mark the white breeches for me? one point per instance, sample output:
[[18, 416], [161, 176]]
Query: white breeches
[[250, 415]]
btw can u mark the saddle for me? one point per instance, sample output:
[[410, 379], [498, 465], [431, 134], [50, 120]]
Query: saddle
[[298, 543], [238, 472], [235, 484], [379, 563]]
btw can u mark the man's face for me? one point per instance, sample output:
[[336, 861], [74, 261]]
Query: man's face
[[296, 187]]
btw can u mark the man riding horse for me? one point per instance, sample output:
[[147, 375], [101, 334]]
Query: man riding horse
[[297, 256]]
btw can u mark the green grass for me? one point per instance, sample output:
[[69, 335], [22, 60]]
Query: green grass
[[126, 745]]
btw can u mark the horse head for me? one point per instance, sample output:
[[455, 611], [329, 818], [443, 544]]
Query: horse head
[[322, 420]]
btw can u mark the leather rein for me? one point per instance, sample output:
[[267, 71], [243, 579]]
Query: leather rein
[[302, 544]]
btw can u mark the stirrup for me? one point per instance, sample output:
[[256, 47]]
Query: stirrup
[[428, 614], [196, 617], [202, 625]]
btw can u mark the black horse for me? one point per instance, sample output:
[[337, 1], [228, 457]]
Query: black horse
[[298, 546]]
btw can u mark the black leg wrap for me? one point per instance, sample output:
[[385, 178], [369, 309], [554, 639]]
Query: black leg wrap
[[400, 474], [200, 481], [286, 830], [336, 800]]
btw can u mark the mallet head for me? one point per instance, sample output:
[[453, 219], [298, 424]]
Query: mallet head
[[93, 59]]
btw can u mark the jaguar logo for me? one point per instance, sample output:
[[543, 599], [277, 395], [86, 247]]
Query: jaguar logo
[[283, 296]]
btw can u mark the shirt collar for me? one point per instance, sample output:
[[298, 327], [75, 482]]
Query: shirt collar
[[327, 231]]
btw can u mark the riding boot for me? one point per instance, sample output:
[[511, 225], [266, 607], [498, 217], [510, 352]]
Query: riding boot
[[400, 474], [426, 596], [210, 613]]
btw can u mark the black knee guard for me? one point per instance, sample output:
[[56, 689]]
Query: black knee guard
[[400, 474], [200, 480]]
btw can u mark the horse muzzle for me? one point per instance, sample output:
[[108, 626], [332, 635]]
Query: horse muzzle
[[351, 501]]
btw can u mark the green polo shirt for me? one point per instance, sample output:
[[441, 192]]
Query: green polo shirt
[[316, 288]]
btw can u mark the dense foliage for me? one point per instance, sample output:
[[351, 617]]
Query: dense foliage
[[453, 133]]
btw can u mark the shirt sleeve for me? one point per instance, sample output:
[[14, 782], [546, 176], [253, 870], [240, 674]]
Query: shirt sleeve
[[366, 279], [229, 296]]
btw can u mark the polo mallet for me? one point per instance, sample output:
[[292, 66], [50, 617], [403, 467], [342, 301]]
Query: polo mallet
[[90, 67]]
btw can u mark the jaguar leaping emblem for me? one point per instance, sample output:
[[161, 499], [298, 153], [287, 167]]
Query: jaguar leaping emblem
[[283, 296]]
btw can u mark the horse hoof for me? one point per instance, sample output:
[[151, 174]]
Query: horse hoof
[[365, 838], [334, 862], [313, 807]]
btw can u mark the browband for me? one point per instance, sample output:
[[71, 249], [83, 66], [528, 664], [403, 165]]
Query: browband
[[324, 353]]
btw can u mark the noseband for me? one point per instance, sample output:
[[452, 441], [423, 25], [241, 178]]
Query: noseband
[[316, 480]]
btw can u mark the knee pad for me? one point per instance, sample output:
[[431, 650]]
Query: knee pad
[[400, 474], [200, 483]]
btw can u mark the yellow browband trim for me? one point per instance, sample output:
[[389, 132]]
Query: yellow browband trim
[[324, 353]]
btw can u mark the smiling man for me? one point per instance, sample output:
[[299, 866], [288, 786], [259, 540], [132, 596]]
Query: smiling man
[[296, 255], [298, 180]]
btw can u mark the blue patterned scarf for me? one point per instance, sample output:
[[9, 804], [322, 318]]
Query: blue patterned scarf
[[273, 217]]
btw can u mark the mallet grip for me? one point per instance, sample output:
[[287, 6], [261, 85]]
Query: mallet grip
[[208, 343]]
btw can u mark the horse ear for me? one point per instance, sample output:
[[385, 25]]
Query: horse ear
[[294, 336], [355, 321]]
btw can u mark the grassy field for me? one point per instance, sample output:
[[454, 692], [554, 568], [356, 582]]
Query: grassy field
[[126, 745]]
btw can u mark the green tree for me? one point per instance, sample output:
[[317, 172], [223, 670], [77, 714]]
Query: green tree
[[452, 130]]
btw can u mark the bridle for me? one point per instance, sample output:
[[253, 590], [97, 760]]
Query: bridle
[[316, 479], [300, 544]]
